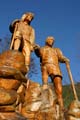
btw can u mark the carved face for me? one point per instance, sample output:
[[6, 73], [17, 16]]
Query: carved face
[[50, 41], [29, 17]]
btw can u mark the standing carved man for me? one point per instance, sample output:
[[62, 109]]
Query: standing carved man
[[23, 36], [50, 58]]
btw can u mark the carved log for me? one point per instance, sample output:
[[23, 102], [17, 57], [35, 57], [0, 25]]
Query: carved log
[[7, 97], [13, 59], [9, 84]]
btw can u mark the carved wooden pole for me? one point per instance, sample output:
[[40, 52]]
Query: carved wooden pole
[[71, 79], [12, 41]]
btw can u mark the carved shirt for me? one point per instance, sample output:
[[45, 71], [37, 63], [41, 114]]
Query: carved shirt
[[50, 58], [26, 32]]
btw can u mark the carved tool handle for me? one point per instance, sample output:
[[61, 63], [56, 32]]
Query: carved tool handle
[[12, 41], [71, 79]]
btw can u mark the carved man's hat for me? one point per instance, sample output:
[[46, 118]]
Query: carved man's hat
[[12, 25], [49, 38], [26, 15]]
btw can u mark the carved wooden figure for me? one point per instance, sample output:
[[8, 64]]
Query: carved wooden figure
[[49, 60], [23, 36]]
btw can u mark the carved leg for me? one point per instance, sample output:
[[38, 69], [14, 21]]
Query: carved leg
[[16, 44], [58, 89], [44, 77]]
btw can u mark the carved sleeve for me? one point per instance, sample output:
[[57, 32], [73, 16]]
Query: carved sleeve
[[32, 36], [60, 55]]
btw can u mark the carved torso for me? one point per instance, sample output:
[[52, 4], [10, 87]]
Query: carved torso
[[25, 31], [50, 57]]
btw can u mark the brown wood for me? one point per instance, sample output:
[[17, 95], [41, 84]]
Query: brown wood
[[72, 81], [12, 41]]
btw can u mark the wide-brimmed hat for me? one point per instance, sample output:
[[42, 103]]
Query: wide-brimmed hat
[[24, 16], [12, 25]]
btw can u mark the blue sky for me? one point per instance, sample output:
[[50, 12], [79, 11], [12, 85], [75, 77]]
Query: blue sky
[[58, 18]]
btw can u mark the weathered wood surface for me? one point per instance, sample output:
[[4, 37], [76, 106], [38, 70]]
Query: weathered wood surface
[[12, 73], [9, 84], [74, 110], [11, 116], [37, 103], [40, 104], [13, 59], [7, 97]]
